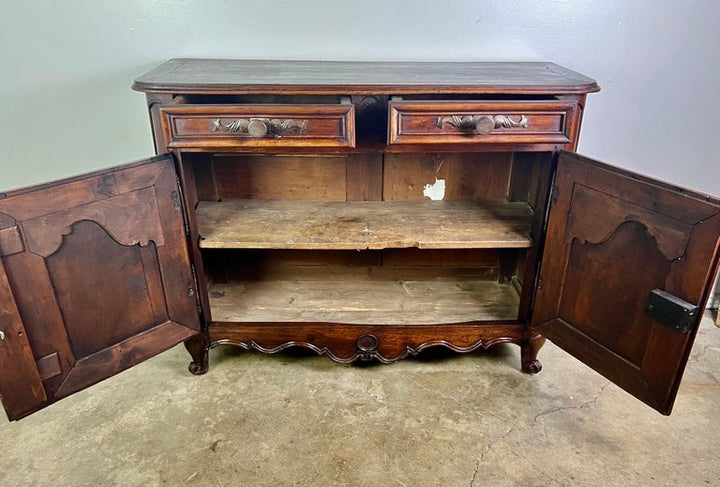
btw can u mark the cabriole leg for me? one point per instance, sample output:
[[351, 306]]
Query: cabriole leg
[[532, 343], [198, 347]]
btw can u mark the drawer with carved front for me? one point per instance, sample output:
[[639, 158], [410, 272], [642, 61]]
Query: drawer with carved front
[[237, 126], [477, 122]]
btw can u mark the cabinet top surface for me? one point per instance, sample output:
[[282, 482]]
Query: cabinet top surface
[[353, 77]]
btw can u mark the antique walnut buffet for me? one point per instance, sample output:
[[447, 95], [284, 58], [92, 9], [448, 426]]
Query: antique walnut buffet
[[363, 210]]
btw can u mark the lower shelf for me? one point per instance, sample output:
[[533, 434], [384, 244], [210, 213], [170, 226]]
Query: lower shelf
[[363, 302]]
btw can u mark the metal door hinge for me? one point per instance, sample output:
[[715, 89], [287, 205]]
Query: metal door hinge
[[175, 198], [193, 292], [554, 192], [671, 311], [178, 199]]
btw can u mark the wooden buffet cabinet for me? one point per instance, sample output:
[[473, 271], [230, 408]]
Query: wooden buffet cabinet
[[363, 210]]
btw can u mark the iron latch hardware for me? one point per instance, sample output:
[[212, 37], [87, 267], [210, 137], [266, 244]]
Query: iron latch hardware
[[671, 311]]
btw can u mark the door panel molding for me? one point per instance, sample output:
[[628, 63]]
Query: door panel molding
[[598, 357], [20, 384], [672, 235], [111, 360], [45, 233]]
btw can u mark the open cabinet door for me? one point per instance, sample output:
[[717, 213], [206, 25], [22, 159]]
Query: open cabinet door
[[95, 277], [627, 268]]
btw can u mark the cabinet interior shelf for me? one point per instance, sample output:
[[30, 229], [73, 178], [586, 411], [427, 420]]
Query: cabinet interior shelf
[[363, 301], [350, 225]]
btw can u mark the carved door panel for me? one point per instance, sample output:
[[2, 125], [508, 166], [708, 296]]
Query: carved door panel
[[612, 239], [95, 277]]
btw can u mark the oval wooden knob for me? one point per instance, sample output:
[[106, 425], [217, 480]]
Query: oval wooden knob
[[257, 129], [484, 125]]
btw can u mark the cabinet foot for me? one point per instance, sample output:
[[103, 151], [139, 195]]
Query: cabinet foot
[[531, 345], [199, 348]]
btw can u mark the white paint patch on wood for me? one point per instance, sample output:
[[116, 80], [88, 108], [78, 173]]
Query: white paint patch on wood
[[436, 191]]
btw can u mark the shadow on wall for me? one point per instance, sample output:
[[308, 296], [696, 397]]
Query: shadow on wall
[[67, 129]]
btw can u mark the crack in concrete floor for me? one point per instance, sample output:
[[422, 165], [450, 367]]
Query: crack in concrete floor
[[503, 437]]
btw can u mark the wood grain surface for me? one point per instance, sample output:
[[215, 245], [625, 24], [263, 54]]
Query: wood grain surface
[[352, 77], [364, 224], [363, 301]]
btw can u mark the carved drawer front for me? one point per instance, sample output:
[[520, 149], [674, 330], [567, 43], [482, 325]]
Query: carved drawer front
[[253, 126], [492, 122]]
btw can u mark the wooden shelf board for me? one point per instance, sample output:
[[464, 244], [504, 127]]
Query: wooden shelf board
[[363, 302], [341, 225]]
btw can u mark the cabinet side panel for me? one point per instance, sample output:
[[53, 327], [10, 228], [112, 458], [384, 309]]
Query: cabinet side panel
[[174, 258], [198, 183], [530, 181], [154, 102]]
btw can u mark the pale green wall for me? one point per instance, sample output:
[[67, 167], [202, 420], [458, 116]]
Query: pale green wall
[[66, 67]]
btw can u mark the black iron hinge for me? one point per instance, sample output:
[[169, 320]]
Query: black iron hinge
[[193, 290], [671, 311], [178, 202]]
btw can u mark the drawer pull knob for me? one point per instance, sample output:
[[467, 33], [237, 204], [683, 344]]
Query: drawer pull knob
[[484, 125], [481, 124], [258, 128]]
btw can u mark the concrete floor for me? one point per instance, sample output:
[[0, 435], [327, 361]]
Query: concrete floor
[[443, 419]]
